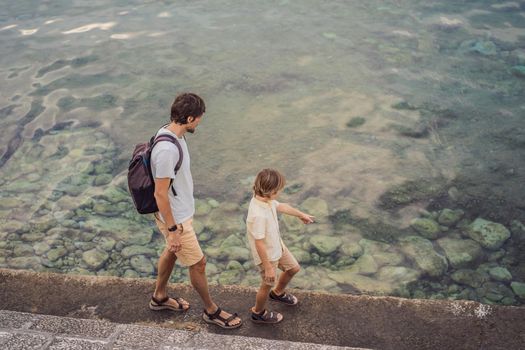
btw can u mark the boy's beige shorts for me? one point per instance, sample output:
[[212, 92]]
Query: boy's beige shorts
[[285, 263], [190, 252]]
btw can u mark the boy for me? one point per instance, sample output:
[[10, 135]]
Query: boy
[[268, 249]]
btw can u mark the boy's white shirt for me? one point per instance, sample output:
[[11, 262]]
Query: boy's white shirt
[[262, 223]]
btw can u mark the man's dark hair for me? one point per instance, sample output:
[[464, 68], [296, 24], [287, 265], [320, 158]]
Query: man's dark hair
[[187, 105]]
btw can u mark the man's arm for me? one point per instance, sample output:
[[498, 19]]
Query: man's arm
[[162, 187], [289, 210]]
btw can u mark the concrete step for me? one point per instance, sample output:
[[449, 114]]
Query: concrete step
[[21, 331]]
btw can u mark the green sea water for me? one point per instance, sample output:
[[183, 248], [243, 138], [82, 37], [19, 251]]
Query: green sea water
[[399, 124]]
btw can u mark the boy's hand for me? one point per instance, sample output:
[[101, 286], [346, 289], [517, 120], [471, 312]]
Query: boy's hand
[[269, 275], [306, 219]]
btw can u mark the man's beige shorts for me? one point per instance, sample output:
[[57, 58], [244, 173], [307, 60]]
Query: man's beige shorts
[[285, 263], [190, 252]]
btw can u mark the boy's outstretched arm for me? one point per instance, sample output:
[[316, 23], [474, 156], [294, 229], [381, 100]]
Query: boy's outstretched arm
[[288, 209]]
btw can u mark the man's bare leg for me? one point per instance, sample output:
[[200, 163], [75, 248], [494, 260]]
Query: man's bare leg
[[200, 283], [165, 267]]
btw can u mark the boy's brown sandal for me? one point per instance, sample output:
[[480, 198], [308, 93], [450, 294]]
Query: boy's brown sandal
[[266, 316], [285, 298]]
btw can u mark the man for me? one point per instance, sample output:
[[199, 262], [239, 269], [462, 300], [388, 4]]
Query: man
[[174, 197]]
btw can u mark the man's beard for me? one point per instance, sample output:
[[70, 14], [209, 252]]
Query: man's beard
[[191, 131]]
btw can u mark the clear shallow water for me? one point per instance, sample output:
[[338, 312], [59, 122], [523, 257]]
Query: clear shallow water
[[373, 111]]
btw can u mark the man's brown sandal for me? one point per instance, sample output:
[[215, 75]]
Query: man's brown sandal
[[285, 298], [162, 304], [220, 321], [266, 317]]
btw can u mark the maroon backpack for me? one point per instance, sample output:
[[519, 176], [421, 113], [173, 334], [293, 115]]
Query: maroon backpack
[[140, 178]]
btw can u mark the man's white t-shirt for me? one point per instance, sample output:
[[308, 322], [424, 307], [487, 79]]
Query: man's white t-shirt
[[262, 223], [164, 158]]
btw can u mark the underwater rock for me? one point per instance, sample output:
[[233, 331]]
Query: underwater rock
[[489, 234], [518, 71], [202, 207], [102, 180], [106, 243], [399, 274], [116, 195], [95, 258], [518, 57], [23, 250], [353, 250], [470, 278], [325, 245], [232, 241], [237, 253], [449, 217], [204, 235], [57, 253], [422, 252], [211, 269], [234, 265], [494, 292], [500, 274], [404, 105], [517, 229], [411, 191], [25, 262], [355, 122], [460, 252], [291, 223], [293, 188], [224, 222], [316, 207], [519, 289], [41, 248], [364, 284], [142, 264], [107, 209], [230, 277], [383, 253], [198, 226], [427, 228], [365, 265], [475, 46], [448, 24], [133, 250], [302, 256]]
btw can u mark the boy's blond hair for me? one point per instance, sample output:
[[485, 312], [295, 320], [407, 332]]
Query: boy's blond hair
[[268, 182]]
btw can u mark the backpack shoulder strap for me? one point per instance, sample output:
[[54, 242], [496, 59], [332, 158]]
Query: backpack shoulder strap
[[166, 137]]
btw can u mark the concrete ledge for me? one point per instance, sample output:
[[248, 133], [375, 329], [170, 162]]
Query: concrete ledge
[[343, 320], [24, 331]]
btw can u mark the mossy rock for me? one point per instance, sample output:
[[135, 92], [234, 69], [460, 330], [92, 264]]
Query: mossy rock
[[500, 274], [519, 289], [422, 252], [356, 122], [411, 191], [325, 245], [427, 228], [468, 277], [449, 217], [518, 71], [461, 253], [489, 234]]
